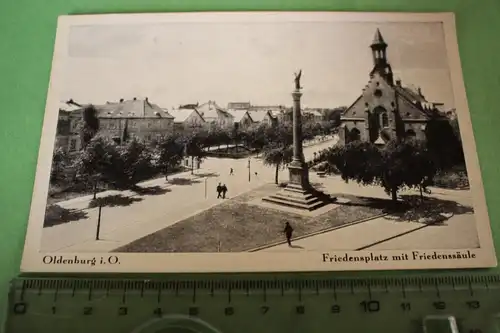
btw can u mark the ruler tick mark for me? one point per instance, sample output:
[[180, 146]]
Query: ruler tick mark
[[403, 290], [471, 291], [159, 294], [369, 292], [438, 293], [124, 294], [265, 294], [334, 292], [90, 293], [194, 293], [229, 295], [55, 293]]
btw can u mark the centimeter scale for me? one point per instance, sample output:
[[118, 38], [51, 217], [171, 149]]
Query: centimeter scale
[[469, 304]]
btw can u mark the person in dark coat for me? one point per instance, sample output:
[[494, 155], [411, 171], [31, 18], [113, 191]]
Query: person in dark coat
[[224, 191], [219, 191], [288, 233]]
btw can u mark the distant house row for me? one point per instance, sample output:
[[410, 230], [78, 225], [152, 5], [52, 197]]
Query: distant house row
[[142, 119]]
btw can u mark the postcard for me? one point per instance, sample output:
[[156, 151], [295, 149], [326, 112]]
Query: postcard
[[257, 142]]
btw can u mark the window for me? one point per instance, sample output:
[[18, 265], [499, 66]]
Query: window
[[377, 93], [149, 124], [72, 145], [354, 135], [385, 120], [148, 137]]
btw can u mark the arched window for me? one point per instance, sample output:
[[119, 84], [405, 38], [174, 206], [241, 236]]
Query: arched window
[[354, 135], [385, 120], [411, 134]]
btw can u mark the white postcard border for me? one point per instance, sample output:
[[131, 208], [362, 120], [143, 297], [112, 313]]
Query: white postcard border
[[33, 260]]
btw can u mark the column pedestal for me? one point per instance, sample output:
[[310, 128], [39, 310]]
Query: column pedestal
[[299, 193]]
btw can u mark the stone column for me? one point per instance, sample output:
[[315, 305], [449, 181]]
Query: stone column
[[298, 154], [298, 171]]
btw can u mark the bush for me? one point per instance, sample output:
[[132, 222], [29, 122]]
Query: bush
[[453, 179]]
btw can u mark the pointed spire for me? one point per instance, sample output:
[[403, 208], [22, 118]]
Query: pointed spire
[[378, 39]]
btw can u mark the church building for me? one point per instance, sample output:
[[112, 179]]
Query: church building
[[386, 109]]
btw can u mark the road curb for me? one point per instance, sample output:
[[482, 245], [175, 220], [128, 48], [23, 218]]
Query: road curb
[[318, 232]]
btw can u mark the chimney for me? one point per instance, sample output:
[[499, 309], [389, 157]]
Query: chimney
[[121, 100], [419, 90], [398, 82], [146, 99]]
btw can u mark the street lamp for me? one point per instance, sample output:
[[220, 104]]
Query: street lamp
[[206, 187], [248, 169]]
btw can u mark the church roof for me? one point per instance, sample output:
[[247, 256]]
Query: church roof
[[378, 39]]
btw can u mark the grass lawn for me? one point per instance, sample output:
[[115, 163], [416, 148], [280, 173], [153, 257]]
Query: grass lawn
[[236, 226]]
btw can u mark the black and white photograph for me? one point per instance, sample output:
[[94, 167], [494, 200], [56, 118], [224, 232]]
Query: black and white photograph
[[207, 142]]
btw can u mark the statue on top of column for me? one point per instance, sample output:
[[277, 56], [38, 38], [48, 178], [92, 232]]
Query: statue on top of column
[[297, 79]]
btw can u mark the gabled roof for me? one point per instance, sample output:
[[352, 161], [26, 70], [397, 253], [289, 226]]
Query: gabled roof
[[237, 114], [136, 108], [66, 106], [418, 101], [180, 115], [211, 110], [258, 116]]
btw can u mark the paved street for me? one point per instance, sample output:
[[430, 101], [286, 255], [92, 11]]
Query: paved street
[[123, 224]]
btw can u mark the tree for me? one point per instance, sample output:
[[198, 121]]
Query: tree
[[60, 161], [358, 161], [193, 147], [89, 125], [444, 144], [397, 165], [278, 157], [100, 162], [135, 159], [169, 154], [406, 163]]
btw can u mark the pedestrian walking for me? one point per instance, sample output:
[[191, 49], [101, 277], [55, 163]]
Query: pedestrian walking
[[288, 233], [219, 191], [224, 191], [231, 172]]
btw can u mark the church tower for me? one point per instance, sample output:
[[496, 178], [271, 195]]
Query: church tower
[[380, 63]]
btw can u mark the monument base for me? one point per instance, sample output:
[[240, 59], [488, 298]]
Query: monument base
[[299, 193]]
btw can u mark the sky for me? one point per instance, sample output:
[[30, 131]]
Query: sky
[[181, 63]]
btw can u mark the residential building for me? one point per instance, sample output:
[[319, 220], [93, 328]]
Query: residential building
[[386, 109], [238, 106], [262, 117], [119, 121], [215, 115], [136, 118], [187, 119], [312, 115], [242, 118]]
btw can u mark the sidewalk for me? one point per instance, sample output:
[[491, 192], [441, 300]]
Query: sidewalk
[[457, 232], [146, 214]]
